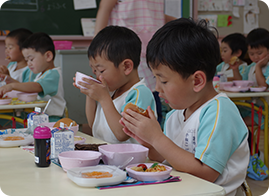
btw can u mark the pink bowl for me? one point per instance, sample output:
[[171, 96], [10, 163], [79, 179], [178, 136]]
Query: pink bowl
[[50, 125], [243, 83], [27, 97], [12, 94], [79, 158], [116, 154], [225, 84], [149, 176], [79, 77]]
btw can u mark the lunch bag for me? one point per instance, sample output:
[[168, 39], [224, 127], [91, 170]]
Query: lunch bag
[[257, 170]]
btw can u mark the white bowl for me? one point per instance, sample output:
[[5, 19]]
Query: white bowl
[[79, 77], [149, 176], [116, 154], [50, 125], [27, 97], [75, 175], [79, 158]]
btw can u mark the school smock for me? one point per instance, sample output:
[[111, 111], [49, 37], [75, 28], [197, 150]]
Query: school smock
[[138, 94], [52, 84], [144, 17], [224, 68], [250, 73], [216, 134], [16, 74]]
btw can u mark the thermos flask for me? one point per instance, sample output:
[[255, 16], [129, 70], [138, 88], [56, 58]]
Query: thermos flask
[[42, 135]]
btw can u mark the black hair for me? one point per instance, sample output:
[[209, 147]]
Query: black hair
[[185, 47], [40, 42], [116, 44], [236, 42], [20, 35], [258, 37]]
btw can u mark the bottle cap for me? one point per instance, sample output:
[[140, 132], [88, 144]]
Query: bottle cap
[[216, 78], [42, 132]]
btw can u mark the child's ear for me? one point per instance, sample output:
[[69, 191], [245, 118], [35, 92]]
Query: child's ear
[[238, 53], [49, 56], [128, 66], [199, 81]]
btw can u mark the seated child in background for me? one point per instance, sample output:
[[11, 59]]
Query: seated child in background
[[114, 56], [258, 70], [17, 69], [233, 45], [204, 134], [38, 50]]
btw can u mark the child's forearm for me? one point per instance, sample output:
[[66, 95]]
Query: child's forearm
[[237, 75], [112, 118], [90, 108], [260, 77], [28, 87]]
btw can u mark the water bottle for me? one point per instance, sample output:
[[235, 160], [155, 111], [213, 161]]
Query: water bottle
[[216, 82], [42, 135]]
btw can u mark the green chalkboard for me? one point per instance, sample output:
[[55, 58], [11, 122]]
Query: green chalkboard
[[54, 17]]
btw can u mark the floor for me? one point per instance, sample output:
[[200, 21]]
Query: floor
[[258, 187]]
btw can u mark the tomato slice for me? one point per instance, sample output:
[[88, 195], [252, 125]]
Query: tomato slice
[[143, 166]]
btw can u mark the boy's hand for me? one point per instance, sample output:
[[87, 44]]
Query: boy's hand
[[4, 70], [4, 89], [141, 128], [263, 62], [235, 65], [94, 90]]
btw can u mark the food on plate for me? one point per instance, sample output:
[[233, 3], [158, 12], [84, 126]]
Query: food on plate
[[154, 168], [93, 147], [13, 138], [137, 109], [77, 138], [233, 60], [66, 121], [96, 174]]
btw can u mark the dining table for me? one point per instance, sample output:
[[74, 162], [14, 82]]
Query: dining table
[[245, 99], [14, 110], [19, 176]]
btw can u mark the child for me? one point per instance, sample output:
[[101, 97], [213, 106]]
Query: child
[[233, 45], [144, 18], [258, 70], [38, 50], [204, 134], [114, 56], [17, 68]]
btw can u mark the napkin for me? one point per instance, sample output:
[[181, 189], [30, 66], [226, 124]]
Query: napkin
[[129, 181]]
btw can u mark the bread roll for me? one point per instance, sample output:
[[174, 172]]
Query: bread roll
[[233, 60], [137, 109], [66, 121]]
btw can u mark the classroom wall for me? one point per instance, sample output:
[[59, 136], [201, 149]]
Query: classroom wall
[[237, 23]]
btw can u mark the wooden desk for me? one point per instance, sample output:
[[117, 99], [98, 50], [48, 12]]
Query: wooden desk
[[20, 176], [237, 99]]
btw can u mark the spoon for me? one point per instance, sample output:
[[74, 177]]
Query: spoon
[[46, 106]]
